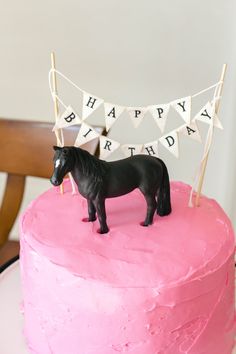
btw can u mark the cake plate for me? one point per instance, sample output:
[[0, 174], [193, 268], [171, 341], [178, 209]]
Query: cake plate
[[11, 319]]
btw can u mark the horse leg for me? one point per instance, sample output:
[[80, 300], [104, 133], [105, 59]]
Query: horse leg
[[101, 212], [91, 212], [151, 207]]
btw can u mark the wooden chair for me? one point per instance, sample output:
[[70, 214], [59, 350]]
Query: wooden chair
[[20, 143]]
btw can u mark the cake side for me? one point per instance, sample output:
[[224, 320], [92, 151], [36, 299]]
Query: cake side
[[165, 289]]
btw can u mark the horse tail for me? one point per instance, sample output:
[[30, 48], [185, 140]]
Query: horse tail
[[163, 202]]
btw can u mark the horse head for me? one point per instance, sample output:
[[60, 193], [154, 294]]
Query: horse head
[[63, 163]]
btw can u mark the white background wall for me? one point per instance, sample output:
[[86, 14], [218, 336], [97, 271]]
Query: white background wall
[[128, 52]]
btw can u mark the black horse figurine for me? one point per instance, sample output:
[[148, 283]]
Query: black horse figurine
[[97, 180]]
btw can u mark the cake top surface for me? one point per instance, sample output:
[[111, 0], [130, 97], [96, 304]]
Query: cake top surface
[[187, 244]]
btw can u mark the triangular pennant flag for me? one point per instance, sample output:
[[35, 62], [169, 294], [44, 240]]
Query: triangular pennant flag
[[112, 112], [171, 143], [160, 113], [69, 117], [131, 149], [90, 104], [86, 134], [206, 114], [137, 114], [191, 130], [151, 148], [183, 107], [107, 146]]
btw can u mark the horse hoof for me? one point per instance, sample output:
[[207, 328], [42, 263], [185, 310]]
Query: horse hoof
[[100, 231], [88, 220], [144, 224]]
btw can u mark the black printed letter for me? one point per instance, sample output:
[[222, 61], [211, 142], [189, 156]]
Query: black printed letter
[[91, 102], [170, 140], [70, 118], [87, 132], [112, 113], [107, 145], [150, 150], [132, 149]]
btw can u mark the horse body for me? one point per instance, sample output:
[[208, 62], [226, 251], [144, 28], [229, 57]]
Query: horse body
[[98, 180]]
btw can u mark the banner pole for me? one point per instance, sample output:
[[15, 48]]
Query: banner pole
[[56, 106], [201, 179]]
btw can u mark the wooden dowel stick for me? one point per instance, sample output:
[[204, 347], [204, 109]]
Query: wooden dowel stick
[[56, 106], [201, 179]]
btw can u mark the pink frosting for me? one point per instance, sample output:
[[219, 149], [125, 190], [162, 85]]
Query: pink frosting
[[165, 289]]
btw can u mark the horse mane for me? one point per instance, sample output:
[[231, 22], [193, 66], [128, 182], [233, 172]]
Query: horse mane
[[90, 165]]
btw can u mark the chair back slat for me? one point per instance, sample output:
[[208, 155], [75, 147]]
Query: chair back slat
[[26, 146], [26, 150]]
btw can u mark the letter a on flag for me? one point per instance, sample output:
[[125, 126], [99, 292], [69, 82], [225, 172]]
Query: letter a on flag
[[86, 134], [191, 130], [183, 107], [90, 104], [68, 118], [112, 113], [171, 143], [107, 146]]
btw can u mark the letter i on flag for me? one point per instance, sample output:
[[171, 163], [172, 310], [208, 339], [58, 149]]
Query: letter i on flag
[[171, 143], [112, 112], [107, 146], [86, 134], [68, 118], [90, 104]]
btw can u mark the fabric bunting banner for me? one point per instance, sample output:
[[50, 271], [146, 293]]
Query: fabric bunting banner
[[159, 112]]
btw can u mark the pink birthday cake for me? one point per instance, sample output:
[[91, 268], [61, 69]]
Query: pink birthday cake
[[163, 289]]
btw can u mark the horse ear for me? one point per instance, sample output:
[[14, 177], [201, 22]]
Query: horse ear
[[55, 148]]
